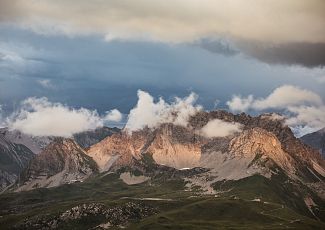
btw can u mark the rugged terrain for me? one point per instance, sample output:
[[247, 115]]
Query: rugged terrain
[[62, 161], [259, 176], [17, 149]]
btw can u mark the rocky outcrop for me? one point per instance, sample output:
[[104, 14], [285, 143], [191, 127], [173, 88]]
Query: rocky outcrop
[[118, 150], [259, 143], [109, 216], [176, 146], [169, 145], [62, 161]]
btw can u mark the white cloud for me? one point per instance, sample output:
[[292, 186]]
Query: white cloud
[[219, 128], [306, 118], [280, 98], [237, 103], [40, 117], [305, 109], [287, 95], [148, 113], [113, 115]]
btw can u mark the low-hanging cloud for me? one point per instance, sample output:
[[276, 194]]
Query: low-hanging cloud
[[40, 117], [293, 53], [114, 116], [148, 113], [305, 109], [219, 128], [281, 97]]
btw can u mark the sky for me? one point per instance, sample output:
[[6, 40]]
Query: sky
[[91, 57]]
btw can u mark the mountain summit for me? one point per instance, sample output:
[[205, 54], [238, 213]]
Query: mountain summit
[[62, 161]]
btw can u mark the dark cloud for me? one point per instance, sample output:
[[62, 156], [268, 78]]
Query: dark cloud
[[89, 72], [298, 53], [305, 54], [219, 46]]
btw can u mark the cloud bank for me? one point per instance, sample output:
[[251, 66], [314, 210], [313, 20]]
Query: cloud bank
[[219, 128], [180, 20], [40, 117], [304, 112], [305, 109], [252, 25], [281, 97], [148, 113]]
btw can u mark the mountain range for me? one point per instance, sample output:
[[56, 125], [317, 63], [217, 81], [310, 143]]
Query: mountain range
[[316, 140], [261, 175]]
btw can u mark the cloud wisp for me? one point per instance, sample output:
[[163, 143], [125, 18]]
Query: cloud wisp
[[40, 117], [281, 97]]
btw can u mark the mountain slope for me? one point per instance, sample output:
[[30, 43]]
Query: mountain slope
[[169, 145], [316, 140], [265, 146], [184, 147], [13, 159], [62, 161]]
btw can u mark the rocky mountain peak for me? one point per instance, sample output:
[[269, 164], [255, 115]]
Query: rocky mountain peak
[[62, 161], [265, 137], [258, 142]]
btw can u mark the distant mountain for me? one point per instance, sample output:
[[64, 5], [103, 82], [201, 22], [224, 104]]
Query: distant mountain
[[35, 144], [88, 138], [13, 159], [316, 140], [62, 161]]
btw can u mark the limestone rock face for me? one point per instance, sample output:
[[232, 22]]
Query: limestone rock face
[[176, 147], [118, 150], [169, 145], [62, 161], [258, 142], [263, 146]]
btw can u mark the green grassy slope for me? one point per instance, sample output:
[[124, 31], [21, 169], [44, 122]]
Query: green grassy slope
[[183, 210]]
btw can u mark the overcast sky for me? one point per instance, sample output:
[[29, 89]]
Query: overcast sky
[[97, 54]]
